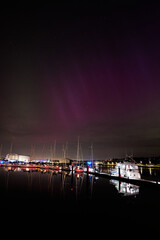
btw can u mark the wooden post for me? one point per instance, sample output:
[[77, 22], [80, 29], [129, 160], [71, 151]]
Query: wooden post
[[87, 169], [119, 172]]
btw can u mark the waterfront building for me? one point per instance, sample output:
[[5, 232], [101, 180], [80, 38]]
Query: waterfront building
[[14, 157]]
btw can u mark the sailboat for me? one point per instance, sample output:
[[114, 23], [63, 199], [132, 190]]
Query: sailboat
[[55, 166], [78, 168], [90, 166], [65, 166]]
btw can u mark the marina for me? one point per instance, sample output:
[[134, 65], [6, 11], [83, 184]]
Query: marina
[[126, 171], [46, 190], [79, 125], [65, 192]]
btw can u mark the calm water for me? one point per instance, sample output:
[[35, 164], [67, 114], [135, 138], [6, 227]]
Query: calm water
[[61, 194]]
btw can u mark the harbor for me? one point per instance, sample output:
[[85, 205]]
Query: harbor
[[60, 193], [50, 192], [96, 170], [80, 114], [122, 188]]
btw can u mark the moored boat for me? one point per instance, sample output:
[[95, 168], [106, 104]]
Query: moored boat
[[79, 169], [127, 170], [56, 167]]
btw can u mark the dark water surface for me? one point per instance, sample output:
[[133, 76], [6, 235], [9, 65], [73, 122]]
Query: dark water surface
[[62, 195]]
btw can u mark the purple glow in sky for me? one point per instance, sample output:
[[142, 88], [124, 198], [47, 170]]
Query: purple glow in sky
[[72, 70]]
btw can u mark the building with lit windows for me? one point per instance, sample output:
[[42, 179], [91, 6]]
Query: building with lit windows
[[14, 157]]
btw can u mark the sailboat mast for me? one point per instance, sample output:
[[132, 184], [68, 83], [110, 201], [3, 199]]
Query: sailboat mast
[[11, 148], [54, 150], [0, 151], [92, 153], [78, 150], [51, 152]]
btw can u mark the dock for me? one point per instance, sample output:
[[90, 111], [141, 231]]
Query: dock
[[138, 182]]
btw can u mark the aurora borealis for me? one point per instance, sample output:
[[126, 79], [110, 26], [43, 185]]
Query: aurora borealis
[[76, 69]]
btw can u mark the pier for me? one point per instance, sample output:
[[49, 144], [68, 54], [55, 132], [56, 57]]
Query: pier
[[98, 173], [139, 182]]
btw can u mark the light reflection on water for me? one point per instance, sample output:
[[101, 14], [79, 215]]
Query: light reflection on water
[[150, 173], [53, 192], [65, 184], [126, 189]]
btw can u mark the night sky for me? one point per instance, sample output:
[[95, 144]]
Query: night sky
[[81, 69]]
